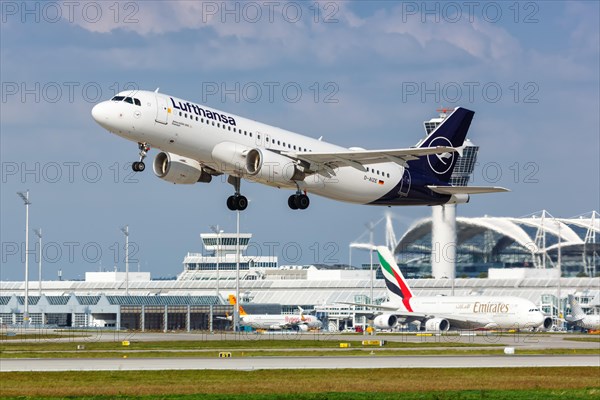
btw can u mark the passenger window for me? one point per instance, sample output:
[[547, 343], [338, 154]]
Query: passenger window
[[294, 147], [234, 130], [228, 128], [218, 125], [180, 113], [196, 118], [258, 136], [251, 135]]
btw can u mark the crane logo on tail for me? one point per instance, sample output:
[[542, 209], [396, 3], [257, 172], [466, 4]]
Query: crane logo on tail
[[440, 163]]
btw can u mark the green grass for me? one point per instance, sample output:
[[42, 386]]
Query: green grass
[[574, 394], [441, 383]]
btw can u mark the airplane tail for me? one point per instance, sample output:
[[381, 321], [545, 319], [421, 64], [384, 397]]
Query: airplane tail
[[233, 301], [397, 287], [577, 312], [451, 132]]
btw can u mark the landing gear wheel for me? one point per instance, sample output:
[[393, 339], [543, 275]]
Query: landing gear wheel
[[302, 201], [138, 166], [237, 202], [242, 203], [292, 202], [231, 203]]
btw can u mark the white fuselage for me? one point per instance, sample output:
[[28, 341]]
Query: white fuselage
[[194, 131], [480, 312], [591, 322]]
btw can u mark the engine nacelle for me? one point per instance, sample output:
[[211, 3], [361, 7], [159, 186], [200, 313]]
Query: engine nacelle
[[437, 324], [303, 328], [230, 158], [547, 323], [272, 167], [178, 169], [385, 321]]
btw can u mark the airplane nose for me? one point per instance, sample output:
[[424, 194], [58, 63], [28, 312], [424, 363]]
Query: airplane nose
[[100, 112]]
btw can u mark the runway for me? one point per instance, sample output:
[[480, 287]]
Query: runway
[[255, 363]]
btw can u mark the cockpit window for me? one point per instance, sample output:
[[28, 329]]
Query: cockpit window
[[130, 100]]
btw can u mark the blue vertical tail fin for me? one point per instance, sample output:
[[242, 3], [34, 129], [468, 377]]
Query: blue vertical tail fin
[[451, 132]]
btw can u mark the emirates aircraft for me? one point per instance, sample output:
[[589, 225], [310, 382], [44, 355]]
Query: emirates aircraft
[[199, 142], [442, 313]]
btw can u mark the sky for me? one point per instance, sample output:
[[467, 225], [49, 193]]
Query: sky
[[359, 73]]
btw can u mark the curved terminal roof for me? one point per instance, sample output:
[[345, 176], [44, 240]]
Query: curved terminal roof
[[528, 232]]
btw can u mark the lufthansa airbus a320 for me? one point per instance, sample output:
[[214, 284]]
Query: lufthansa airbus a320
[[199, 142]]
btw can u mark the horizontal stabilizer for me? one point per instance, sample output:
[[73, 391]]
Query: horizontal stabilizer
[[453, 190]]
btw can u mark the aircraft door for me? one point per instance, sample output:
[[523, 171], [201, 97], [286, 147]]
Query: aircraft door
[[260, 139], [162, 110], [405, 184]]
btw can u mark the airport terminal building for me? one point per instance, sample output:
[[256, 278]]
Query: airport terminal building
[[197, 299]]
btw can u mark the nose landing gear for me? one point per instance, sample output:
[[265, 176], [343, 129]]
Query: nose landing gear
[[139, 166]]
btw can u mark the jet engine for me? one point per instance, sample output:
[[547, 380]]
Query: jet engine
[[385, 321], [272, 167], [547, 323], [178, 169], [258, 164], [437, 324], [303, 328]]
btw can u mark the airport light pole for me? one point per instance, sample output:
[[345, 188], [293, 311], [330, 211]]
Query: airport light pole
[[125, 231], [38, 233], [371, 227], [237, 273], [25, 198]]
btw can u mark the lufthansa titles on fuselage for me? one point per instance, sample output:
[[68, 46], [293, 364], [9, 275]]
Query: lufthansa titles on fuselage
[[199, 111]]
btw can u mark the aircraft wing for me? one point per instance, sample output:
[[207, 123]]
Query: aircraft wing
[[358, 159], [466, 189]]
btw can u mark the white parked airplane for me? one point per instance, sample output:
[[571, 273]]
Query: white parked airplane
[[580, 318], [300, 321], [441, 313], [199, 142]]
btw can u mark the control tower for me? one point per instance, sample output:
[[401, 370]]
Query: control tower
[[443, 227]]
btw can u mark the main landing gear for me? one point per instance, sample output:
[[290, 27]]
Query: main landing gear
[[298, 201], [139, 166], [237, 201]]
